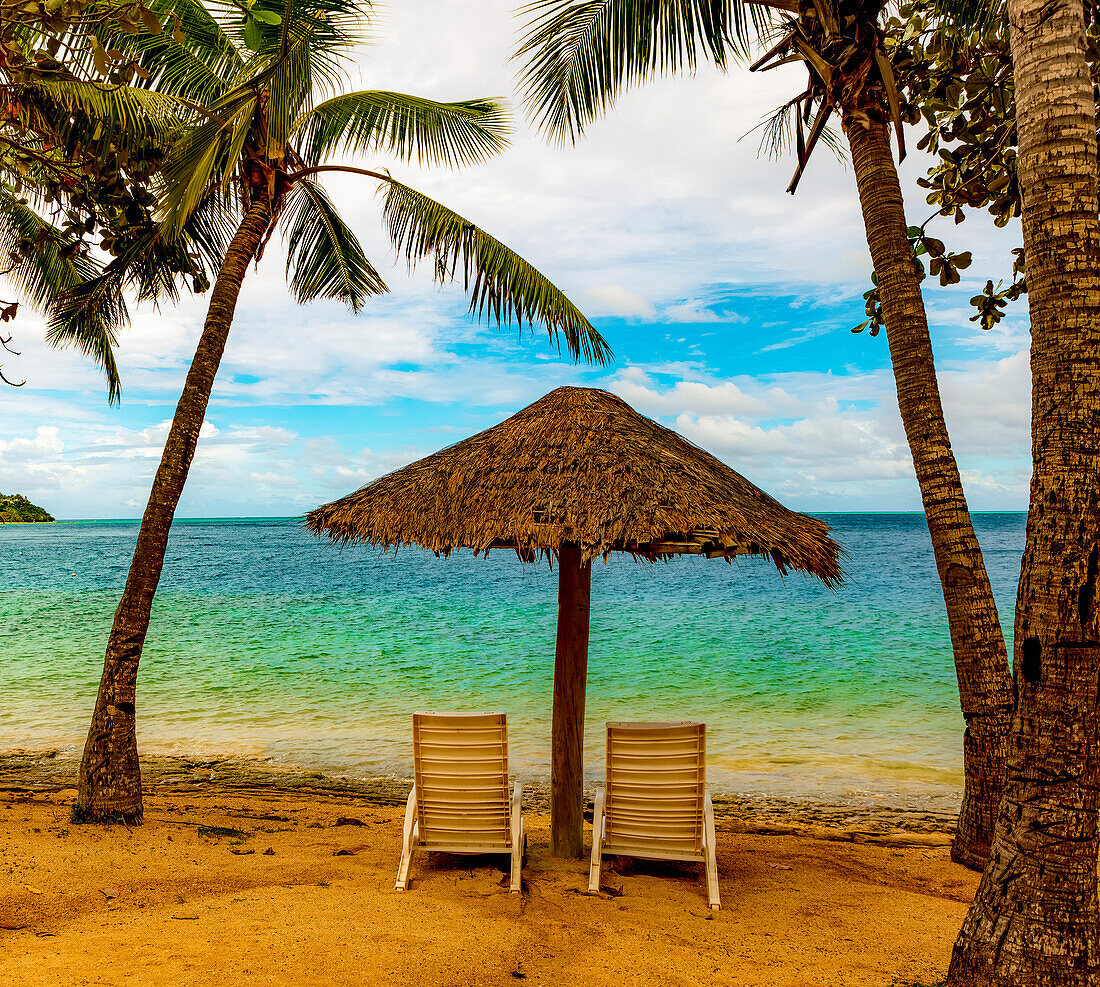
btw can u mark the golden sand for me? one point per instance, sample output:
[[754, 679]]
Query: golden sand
[[185, 900]]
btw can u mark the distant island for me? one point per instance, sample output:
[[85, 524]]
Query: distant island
[[16, 507]]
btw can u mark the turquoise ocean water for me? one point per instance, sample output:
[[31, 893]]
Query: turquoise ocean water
[[267, 642]]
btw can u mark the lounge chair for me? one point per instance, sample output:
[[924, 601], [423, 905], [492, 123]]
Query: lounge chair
[[655, 803], [459, 802]]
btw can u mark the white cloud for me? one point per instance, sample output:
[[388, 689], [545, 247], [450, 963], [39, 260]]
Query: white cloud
[[797, 336], [695, 310], [45, 440], [610, 299], [836, 442]]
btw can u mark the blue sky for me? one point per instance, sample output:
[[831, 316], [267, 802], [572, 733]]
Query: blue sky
[[727, 302]]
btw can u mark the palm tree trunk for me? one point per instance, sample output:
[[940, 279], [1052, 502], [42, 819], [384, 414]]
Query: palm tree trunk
[[1035, 917], [981, 659], [110, 779]]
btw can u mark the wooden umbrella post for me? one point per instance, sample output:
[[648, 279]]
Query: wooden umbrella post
[[570, 681]]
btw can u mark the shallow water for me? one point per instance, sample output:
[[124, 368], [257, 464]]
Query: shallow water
[[268, 642]]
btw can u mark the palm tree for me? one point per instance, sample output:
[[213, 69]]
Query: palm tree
[[261, 81], [581, 56], [1035, 918]]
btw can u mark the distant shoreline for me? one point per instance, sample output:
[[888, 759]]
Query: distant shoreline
[[16, 509]]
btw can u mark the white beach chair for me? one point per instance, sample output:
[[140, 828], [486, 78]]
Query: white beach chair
[[655, 804], [459, 802]]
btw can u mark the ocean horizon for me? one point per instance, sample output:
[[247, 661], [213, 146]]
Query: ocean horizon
[[268, 643], [296, 517]]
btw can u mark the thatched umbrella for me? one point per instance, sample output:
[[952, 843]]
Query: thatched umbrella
[[576, 475]]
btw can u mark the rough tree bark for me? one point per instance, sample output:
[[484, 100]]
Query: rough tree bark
[[110, 779], [981, 659], [1034, 918]]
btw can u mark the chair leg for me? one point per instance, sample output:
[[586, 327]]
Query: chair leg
[[518, 837], [519, 851], [408, 843], [711, 853], [597, 840]]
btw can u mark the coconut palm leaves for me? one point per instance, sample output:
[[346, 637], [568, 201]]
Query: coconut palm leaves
[[73, 108], [207, 157], [974, 13], [192, 58], [45, 264], [146, 265], [849, 73], [324, 258], [78, 156], [408, 127], [582, 55], [502, 285], [246, 99], [90, 148]]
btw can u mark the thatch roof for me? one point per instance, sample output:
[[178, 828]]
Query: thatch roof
[[579, 465]]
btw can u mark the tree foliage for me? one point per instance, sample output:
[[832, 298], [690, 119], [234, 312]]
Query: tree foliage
[[129, 132], [16, 507], [911, 63], [262, 110], [81, 141], [955, 79]]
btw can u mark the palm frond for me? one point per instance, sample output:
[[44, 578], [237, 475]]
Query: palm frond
[[205, 157], [302, 46], [46, 272], [194, 63], [817, 128], [408, 127], [299, 47], [209, 230], [580, 56], [324, 257], [123, 115], [503, 287], [141, 268], [339, 23], [191, 57], [97, 311], [783, 131]]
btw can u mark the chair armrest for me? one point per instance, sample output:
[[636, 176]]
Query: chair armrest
[[710, 852], [407, 828], [517, 814], [597, 840], [599, 814]]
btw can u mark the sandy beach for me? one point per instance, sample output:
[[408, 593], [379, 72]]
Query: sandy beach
[[268, 886]]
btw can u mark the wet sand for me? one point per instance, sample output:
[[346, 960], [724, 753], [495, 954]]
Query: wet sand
[[881, 822]]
